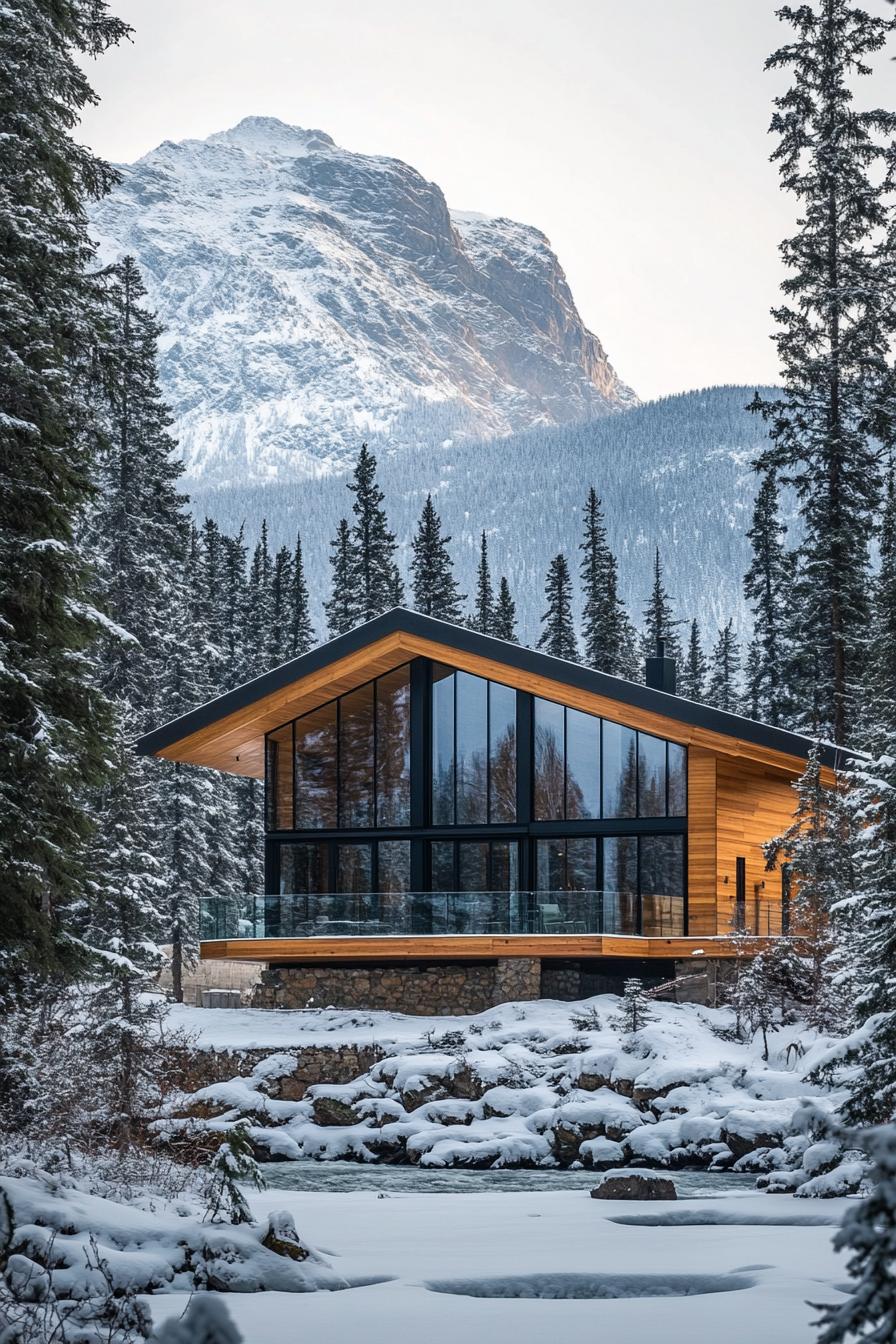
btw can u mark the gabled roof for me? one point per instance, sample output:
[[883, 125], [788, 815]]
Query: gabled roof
[[228, 732]]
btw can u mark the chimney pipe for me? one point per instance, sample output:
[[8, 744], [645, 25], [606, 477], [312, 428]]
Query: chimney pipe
[[659, 671]]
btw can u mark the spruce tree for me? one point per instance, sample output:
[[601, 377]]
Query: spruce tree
[[659, 622], [832, 336], [723, 686], [234, 599], [692, 678], [872, 802], [375, 582], [558, 636], [259, 606], [769, 588], [504, 619], [340, 607], [232, 1167], [434, 586], [53, 720], [279, 631], [301, 628], [484, 603], [608, 636]]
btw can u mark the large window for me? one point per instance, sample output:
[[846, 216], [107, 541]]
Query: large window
[[473, 750], [589, 767], [637, 881], [350, 762]]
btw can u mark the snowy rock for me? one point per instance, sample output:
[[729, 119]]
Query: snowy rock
[[634, 1185]]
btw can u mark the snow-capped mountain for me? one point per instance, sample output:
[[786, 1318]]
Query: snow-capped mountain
[[312, 296]]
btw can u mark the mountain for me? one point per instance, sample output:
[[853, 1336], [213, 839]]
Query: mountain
[[675, 473], [313, 296]]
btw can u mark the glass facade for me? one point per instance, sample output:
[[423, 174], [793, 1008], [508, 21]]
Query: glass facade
[[590, 767], [559, 820]]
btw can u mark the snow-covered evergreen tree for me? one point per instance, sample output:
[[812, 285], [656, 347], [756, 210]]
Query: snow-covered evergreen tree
[[375, 581], [818, 845], [868, 1236], [484, 602], [558, 635], [434, 586], [692, 677], [278, 640], [659, 621], [723, 684], [832, 337], [634, 1008], [609, 642], [205, 1321], [259, 599], [301, 627], [769, 588], [340, 607], [504, 618], [53, 720], [232, 1166]]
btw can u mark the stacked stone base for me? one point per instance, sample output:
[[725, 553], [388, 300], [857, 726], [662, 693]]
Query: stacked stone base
[[437, 989]]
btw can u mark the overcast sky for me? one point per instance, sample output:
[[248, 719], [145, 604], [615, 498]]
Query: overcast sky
[[632, 132]]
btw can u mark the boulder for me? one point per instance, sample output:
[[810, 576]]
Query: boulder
[[282, 1238], [627, 1184], [332, 1111]]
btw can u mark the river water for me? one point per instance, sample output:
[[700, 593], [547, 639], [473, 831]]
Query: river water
[[340, 1177]]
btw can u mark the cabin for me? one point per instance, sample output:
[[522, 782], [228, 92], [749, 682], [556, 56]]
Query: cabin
[[452, 821]]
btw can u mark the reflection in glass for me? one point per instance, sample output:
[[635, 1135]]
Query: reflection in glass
[[548, 745], [662, 885], [393, 748], [651, 776], [502, 752], [505, 866], [442, 746], [581, 864], [473, 865], [316, 769], [619, 770], [304, 868], [678, 780], [582, 764], [620, 883], [550, 865], [354, 869], [394, 863], [472, 749], [356, 757], [278, 779], [441, 854]]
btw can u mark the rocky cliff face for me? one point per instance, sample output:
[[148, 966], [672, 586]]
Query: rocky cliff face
[[313, 296]]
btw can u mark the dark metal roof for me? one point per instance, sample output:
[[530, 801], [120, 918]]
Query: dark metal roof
[[399, 619]]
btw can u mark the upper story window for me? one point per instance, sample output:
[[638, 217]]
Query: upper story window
[[345, 764], [590, 767], [473, 749]]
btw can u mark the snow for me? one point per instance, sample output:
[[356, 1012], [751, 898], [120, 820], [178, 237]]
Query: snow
[[421, 1246], [539, 1083]]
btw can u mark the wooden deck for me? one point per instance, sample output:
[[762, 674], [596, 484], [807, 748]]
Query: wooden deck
[[478, 947]]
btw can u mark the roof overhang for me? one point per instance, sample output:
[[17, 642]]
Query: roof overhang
[[228, 733]]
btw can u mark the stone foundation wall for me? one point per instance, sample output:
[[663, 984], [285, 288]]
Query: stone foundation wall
[[426, 990]]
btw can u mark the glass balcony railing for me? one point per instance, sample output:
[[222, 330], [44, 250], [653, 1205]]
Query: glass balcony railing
[[430, 913]]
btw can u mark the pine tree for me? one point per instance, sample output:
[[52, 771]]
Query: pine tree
[[558, 636], [53, 721], [340, 608], [259, 606], [434, 586], [375, 579], [232, 1166], [234, 602], [484, 605], [692, 680], [769, 587], [871, 800], [659, 622], [722, 689], [818, 845], [608, 636], [504, 619], [832, 335], [868, 1235], [301, 628], [634, 1010], [279, 631]]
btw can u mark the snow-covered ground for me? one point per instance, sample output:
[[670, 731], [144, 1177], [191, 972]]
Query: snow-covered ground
[[541, 1083], [764, 1259]]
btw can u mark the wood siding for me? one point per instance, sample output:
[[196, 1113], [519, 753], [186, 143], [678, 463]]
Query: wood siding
[[702, 860], [753, 805]]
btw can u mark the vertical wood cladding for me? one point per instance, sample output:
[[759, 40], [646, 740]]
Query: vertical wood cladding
[[753, 805], [702, 864]]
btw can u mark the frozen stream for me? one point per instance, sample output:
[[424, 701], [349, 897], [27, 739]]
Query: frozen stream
[[343, 1177]]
